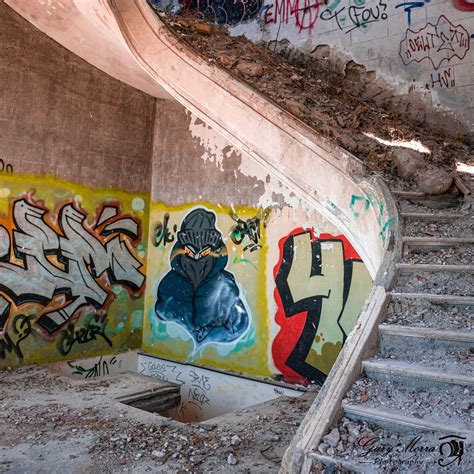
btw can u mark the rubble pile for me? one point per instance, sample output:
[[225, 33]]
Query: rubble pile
[[345, 105]]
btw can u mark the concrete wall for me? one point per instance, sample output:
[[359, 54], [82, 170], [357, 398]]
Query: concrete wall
[[280, 287], [75, 149], [419, 47], [289, 286]]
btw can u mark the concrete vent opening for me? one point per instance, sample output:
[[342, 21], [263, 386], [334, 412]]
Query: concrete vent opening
[[163, 401]]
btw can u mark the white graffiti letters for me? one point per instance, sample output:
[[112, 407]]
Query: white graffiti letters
[[70, 263]]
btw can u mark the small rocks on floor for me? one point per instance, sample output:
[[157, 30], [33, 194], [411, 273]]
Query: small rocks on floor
[[235, 440], [332, 438], [231, 459], [203, 28]]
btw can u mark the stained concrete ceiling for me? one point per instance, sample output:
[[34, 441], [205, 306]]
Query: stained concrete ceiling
[[88, 28]]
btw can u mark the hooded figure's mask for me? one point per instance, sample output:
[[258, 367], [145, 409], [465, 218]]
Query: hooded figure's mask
[[200, 238]]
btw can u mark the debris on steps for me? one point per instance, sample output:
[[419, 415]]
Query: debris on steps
[[451, 406], [417, 392], [455, 228], [337, 103], [424, 314], [438, 282]]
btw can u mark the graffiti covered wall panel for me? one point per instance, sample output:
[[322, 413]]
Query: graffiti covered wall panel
[[236, 289], [208, 300], [321, 285], [423, 46], [71, 270]]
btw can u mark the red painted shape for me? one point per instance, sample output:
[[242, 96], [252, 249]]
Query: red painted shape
[[292, 327], [464, 5]]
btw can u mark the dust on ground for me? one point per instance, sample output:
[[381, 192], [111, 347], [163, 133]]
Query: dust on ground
[[51, 424], [343, 106]]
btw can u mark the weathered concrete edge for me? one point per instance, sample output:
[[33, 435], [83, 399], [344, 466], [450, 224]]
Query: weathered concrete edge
[[362, 343]]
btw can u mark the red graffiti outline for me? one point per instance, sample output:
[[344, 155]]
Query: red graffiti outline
[[463, 5], [291, 328], [285, 9]]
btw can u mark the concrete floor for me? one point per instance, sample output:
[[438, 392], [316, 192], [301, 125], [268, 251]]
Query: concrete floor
[[52, 424]]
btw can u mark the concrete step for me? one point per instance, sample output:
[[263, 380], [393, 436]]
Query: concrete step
[[414, 374], [435, 202], [434, 243], [368, 447], [444, 251], [455, 227], [448, 299], [415, 206], [425, 339], [449, 407], [430, 315], [430, 216], [433, 267], [427, 280], [443, 354], [394, 421]]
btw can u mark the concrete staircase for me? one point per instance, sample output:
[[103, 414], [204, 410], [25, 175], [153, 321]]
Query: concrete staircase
[[416, 395]]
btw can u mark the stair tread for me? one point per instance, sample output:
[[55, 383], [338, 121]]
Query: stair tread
[[421, 371], [435, 282], [392, 416], [441, 240], [430, 315], [433, 404], [452, 299], [412, 331], [435, 267], [370, 448], [431, 215]]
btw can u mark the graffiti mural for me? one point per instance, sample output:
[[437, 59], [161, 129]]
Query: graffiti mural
[[69, 261], [222, 12], [198, 293], [304, 13], [71, 270], [206, 297], [435, 43], [321, 285], [249, 230]]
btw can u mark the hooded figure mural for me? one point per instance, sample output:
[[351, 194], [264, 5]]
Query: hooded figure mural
[[198, 293]]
